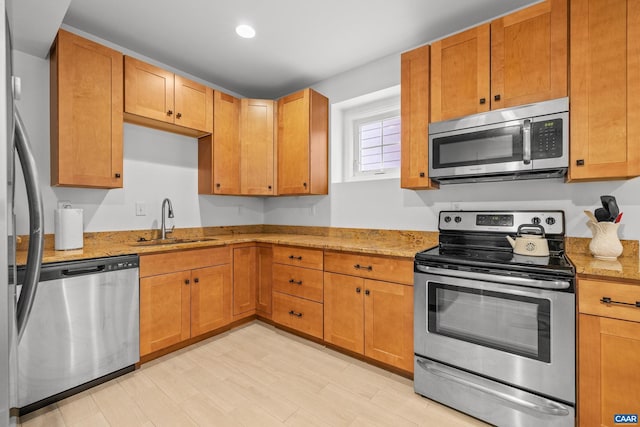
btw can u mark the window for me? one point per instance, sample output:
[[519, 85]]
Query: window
[[365, 137], [378, 144]]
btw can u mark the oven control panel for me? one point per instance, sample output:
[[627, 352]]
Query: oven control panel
[[501, 221]]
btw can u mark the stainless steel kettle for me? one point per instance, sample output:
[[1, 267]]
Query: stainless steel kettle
[[530, 244]]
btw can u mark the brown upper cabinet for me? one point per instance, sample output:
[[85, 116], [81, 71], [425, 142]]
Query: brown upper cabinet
[[158, 98], [414, 112], [86, 113], [238, 157], [303, 143], [517, 59], [219, 153], [605, 90], [257, 117]]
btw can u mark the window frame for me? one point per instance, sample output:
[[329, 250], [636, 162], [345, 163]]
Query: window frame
[[357, 146]]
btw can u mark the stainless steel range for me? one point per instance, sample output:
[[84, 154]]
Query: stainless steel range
[[495, 331]]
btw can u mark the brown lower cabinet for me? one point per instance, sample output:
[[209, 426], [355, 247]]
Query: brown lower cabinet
[[370, 317], [182, 295], [252, 280], [608, 351]]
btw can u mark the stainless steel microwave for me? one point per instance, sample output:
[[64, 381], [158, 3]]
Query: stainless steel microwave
[[524, 142]]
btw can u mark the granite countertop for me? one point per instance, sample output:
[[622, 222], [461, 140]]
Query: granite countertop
[[402, 244], [396, 243], [625, 268]]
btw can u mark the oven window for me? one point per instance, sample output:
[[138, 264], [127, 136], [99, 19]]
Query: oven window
[[477, 148], [511, 323]]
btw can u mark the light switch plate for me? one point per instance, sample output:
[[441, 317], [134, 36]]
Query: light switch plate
[[141, 208]]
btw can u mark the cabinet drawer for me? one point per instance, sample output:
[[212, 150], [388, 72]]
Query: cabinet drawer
[[298, 281], [301, 257], [297, 313], [370, 266], [151, 265], [591, 292]]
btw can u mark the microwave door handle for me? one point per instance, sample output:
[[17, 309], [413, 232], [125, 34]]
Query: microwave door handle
[[526, 142]]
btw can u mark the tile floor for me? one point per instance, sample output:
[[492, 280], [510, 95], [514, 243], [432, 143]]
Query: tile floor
[[255, 375]]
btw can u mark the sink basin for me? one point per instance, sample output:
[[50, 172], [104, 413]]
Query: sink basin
[[171, 241]]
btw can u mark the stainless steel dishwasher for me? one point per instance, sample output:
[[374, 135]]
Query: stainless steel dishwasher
[[83, 329]]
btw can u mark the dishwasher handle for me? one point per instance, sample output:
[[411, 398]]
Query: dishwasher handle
[[80, 271]]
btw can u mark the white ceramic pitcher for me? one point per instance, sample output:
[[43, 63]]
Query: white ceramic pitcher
[[605, 243]]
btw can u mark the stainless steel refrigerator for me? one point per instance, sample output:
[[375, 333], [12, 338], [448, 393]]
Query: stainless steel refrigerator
[[14, 313]]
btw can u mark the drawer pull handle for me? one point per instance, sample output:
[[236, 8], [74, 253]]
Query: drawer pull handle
[[358, 290], [299, 258], [297, 282], [293, 313], [607, 300], [363, 267]]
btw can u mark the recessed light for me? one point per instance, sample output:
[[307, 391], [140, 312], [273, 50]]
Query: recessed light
[[246, 31]]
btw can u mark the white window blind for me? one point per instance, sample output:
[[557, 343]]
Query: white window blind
[[378, 147]]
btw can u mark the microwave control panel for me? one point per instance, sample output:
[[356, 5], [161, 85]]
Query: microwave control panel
[[546, 139]]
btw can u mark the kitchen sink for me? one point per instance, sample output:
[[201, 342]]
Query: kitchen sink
[[171, 241]]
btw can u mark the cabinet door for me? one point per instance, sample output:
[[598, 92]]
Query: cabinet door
[[194, 105], [211, 290], [388, 329], [414, 111], [148, 90], [226, 144], [86, 113], [605, 83], [460, 74], [256, 146], [245, 276], [344, 311], [293, 143], [608, 374], [529, 55], [263, 290], [164, 311]]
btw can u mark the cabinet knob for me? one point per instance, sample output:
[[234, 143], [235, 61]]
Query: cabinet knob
[[117, 175], [196, 280], [269, 187], [179, 115], [217, 185], [367, 292], [169, 113], [186, 281], [580, 162], [358, 290], [304, 184], [483, 100], [497, 97], [422, 174]]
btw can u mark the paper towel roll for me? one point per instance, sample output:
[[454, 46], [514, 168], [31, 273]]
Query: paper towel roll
[[68, 229]]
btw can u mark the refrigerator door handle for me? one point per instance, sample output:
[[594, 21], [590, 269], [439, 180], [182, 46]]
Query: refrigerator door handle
[[36, 225]]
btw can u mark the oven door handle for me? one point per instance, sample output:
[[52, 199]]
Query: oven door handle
[[543, 405], [509, 280]]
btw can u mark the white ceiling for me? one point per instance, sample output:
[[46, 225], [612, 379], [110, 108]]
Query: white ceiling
[[298, 42]]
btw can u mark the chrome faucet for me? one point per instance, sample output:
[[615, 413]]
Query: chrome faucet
[[164, 230]]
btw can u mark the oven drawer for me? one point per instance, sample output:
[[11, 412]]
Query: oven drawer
[[301, 257], [299, 314], [297, 281], [623, 299], [370, 266]]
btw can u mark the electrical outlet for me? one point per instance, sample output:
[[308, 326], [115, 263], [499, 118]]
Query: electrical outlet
[[141, 208]]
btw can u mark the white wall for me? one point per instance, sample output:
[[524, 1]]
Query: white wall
[[160, 164], [383, 204], [156, 165]]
